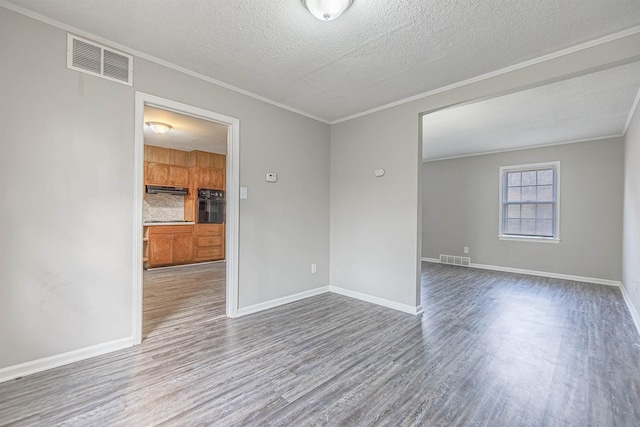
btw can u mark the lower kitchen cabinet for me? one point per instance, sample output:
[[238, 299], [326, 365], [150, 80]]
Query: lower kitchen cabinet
[[182, 248], [209, 242], [160, 249], [172, 244]]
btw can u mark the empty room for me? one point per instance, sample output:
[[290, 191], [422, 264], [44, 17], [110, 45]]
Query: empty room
[[320, 212]]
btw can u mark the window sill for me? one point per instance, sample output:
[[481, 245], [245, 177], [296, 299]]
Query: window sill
[[530, 239]]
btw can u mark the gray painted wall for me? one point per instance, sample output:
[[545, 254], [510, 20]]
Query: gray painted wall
[[66, 280], [66, 165], [374, 245], [461, 207], [631, 233], [376, 224]]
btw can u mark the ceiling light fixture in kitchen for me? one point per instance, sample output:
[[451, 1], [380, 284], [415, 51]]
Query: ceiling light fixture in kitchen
[[158, 127], [327, 10]]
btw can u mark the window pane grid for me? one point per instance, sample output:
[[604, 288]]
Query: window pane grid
[[528, 226], [529, 203]]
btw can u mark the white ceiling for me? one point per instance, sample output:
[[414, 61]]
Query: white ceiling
[[587, 107], [377, 52], [187, 133]]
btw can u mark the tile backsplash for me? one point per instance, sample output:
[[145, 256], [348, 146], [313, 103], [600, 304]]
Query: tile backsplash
[[163, 207]]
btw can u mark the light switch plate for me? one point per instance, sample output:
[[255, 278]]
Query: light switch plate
[[243, 192]]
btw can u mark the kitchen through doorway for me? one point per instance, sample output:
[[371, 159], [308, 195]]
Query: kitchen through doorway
[[188, 233]]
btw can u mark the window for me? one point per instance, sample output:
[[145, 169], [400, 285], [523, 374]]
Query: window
[[529, 202]]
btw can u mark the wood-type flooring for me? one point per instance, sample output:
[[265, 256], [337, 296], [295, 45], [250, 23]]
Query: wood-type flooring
[[491, 349], [182, 297]]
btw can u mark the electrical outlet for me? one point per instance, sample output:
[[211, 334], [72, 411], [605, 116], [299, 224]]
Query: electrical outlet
[[313, 268], [466, 249]]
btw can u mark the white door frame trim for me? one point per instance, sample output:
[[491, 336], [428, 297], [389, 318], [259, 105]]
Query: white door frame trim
[[232, 190]]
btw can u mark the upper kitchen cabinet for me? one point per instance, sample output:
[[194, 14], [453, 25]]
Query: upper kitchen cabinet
[[208, 160], [208, 170], [209, 178], [168, 156], [167, 175]]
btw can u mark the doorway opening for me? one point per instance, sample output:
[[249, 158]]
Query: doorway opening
[[186, 213]]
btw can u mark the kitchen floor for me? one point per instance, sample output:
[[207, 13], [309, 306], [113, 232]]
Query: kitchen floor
[[182, 297]]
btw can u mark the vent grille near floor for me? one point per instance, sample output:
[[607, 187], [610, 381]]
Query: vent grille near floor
[[455, 260]]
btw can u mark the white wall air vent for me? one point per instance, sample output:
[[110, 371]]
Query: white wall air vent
[[101, 61], [455, 260]]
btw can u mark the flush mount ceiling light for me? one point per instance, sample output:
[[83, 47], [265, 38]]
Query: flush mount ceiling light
[[327, 10], [158, 127]]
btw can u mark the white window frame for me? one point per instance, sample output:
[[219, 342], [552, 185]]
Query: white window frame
[[532, 166]]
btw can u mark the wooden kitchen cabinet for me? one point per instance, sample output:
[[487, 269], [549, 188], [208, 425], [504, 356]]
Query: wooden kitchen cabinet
[[179, 176], [167, 175], [184, 244], [204, 159], [171, 244], [218, 179], [203, 177], [169, 156], [209, 245], [210, 178], [182, 248], [160, 250], [157, 173], [219, 161]]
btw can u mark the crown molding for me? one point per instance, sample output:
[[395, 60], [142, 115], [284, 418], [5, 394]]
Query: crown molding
[[632, 112], [530, 147], [139, 54], [511, 68], [593, 43]]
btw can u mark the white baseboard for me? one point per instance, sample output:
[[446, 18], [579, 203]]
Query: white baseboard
[[16, 371], [345, 292], [632, 309], [595, 280], [281, 301], [27, 368], [377, 300], [575, 278], [23, 369]]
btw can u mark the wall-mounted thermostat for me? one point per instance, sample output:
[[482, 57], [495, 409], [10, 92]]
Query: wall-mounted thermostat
[[271, 177], [379, 172]]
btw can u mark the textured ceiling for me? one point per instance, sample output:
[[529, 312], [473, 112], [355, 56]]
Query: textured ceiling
[[591, 106], [187, 133], [377, 52]]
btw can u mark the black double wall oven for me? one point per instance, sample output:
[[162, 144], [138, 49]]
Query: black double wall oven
[[211, 205]]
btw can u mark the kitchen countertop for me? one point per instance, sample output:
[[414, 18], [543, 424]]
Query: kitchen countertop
[[151, 224]]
